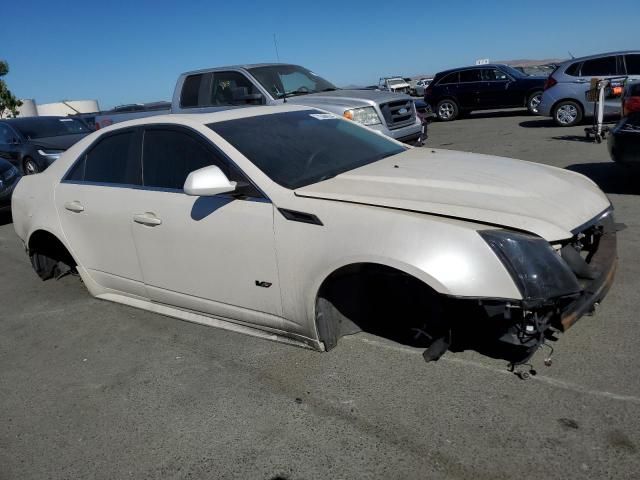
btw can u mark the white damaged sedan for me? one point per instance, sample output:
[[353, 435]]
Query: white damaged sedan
[[292, 224]]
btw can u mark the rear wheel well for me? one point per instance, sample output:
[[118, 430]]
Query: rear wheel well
[[374, 298], [48, 254]]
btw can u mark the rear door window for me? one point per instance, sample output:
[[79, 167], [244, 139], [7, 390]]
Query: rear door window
[[467, 76], [633, 64], [600, 67], [114, 159]]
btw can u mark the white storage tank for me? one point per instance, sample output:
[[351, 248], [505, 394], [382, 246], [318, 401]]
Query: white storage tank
[[28, 108], [68, 107]]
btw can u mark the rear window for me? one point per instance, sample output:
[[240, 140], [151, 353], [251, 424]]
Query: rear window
[[572, 70], [299, 148], [470, 76]]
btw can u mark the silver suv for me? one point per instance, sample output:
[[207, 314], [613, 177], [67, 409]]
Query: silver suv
[[564, 97]]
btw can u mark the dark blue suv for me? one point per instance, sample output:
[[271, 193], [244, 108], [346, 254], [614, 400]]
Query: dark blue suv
[[456, 92]]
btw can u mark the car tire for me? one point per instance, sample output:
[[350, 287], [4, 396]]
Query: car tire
[[447, 110], [30, 166], [567, 113], [533, 102]]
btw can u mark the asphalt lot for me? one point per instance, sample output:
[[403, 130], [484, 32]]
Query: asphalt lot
[[91, 389]]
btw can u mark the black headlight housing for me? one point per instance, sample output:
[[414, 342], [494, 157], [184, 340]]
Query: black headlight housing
[[538, 271]]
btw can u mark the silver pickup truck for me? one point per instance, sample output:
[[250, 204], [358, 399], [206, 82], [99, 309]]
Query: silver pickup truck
[[270, 84]]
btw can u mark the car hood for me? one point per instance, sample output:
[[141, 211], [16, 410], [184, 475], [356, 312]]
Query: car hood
[[61, 142], [348, 98], [547, 201]]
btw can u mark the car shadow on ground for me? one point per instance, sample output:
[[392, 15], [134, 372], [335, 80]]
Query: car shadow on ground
[[496, 114], [539, 123], [5, 218], [574, 138], [611, 177]]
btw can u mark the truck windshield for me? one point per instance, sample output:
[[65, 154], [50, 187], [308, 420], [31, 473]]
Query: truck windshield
[[290, 80], [299, 148]]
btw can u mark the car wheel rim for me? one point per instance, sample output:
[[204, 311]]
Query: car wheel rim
[[535, 103], [446, 110], [31, 168], [567, 114]]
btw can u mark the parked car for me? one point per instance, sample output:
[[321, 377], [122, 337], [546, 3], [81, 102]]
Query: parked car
[[624, 140], [9, 176], [631, 98], [565, 92], [222, 88], [298, 223], [421, 86], [33, 143], [394, 84], [459, 91]]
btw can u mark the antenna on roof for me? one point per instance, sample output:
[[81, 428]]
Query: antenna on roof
[[275, 44], [571, 55]]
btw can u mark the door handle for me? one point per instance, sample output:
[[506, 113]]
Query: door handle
[[148, 219], [74, 206]]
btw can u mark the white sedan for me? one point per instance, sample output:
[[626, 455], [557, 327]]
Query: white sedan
[[293, 224]]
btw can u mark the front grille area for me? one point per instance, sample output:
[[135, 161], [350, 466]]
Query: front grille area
[[398, 114]]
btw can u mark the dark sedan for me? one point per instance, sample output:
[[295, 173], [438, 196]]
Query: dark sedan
[[9, 176], [33, 143], [454, 93]]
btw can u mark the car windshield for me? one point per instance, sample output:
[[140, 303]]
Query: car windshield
[[299, 148], [290, 80], [51, 127], [395, 81]]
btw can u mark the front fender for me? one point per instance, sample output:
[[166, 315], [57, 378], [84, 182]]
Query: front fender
[[446, 254]]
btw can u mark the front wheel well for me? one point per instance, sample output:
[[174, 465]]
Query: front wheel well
[[378, 299]]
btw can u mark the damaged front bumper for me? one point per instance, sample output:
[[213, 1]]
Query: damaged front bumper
[[592, 256]]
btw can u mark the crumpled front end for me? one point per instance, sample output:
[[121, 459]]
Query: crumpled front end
[[591, 256]]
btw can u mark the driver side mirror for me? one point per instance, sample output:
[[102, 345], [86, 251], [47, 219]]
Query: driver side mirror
[[208, 181]]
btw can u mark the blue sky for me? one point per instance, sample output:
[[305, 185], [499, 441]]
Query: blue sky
[[132, 51]]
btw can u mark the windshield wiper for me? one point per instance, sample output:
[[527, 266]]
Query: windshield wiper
[[295, 93], [330, 89]]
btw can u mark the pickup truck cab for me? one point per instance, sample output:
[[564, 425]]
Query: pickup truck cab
[[391, 114]]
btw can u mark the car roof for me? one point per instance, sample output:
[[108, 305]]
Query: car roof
[[472, 67], [598, 55], [210, 117], [28, 121], [244, 66]]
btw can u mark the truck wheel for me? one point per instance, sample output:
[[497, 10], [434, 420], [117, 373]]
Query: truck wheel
[[447, 110], [533, 102], [567, 113]]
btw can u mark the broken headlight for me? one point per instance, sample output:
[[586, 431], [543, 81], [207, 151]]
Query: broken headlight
[[538, 271]]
